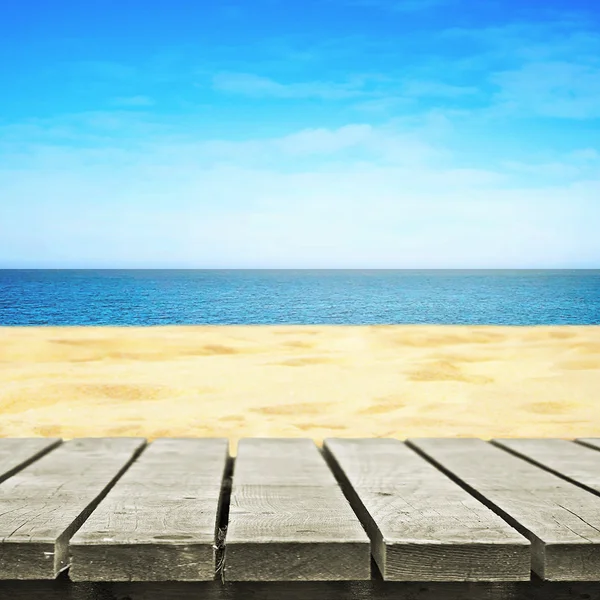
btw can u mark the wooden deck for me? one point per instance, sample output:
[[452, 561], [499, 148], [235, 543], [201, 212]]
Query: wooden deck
[[443, 519]]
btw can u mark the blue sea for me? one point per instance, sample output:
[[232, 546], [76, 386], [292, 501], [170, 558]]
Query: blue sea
[[340, 297]]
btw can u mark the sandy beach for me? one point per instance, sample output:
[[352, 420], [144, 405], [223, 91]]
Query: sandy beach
[[313, 381]]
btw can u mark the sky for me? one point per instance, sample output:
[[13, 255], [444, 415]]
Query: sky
[[300, 134]]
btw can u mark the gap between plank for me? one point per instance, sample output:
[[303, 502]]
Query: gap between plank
[[223, 519], [356, 504], [478, 495], [548, 469], [62, 542], [30, 460]]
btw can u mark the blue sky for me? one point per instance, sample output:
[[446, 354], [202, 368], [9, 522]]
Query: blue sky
[[313, 134]]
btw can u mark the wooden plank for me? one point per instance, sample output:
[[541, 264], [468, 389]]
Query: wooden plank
[[45, 503], [574, 462], [590, 442], [282, 461], [17, 453], [422, 525], [289, 519], [561, 520], [160, 521]]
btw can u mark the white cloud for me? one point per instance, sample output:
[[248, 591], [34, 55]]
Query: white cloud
[[261, 87], [133, 101], [555, 38], [383, 105], [586, 155], [400, 201], [578, 164], [325, 141], [550, 89], [436, 89], [382, 93], [549, 67]]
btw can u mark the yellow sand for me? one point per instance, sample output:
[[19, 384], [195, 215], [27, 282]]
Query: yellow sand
[[315, 381]]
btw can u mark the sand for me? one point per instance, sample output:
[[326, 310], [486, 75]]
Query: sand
[[314, 381]]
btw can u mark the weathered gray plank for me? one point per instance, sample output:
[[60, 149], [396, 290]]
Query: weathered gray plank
[[160, 521], [574, 462], [561, 520], [288, 517], [45, 503], [590, 442], [281, 461], [17, 453], [422, 525]]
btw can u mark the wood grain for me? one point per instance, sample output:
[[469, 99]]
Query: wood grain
[[561, 520], [288, 517], [45, 503], [281, 461], [160, 521], [422, 525], [574, 462], [17, 453]]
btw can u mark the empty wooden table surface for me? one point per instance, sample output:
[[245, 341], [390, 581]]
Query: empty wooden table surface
[[462, 519]]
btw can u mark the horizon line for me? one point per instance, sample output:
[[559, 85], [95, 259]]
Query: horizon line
[[300, 268]]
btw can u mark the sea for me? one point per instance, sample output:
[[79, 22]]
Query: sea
[[299, 297]]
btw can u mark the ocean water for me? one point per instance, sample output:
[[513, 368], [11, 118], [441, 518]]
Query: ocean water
[[348, 297]]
